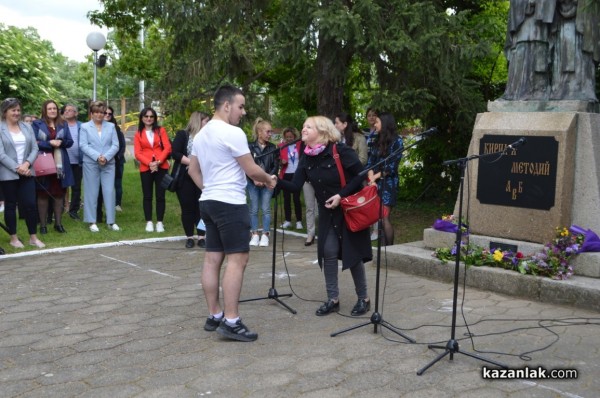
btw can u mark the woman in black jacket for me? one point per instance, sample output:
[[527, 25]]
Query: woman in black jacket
[[187, 192], [336, 241], [266, 155]]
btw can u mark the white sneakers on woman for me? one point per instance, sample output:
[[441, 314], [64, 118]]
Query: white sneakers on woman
[[112, 227], [160, 227], [255, 239], [264, 240]]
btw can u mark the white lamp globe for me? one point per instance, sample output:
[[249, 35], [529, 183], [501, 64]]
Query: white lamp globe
[[95, 41]]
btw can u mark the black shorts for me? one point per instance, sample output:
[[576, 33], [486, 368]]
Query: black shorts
[[227, 226]]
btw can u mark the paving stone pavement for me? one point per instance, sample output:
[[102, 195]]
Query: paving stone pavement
[[126, 321]]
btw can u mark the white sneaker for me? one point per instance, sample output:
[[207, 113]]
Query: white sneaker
[[149, 226], [299, 225], [254, 240], [1, 207], [160, 227], [264, 240], [118, 208], [94, 228], [375, 235], [286, 224], [114, 227]]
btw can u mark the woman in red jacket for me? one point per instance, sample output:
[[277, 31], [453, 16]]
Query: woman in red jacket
[[152, 148], [289, 157]]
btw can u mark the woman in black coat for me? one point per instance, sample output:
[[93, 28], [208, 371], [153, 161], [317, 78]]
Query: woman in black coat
[[187, 192], [335, 240]]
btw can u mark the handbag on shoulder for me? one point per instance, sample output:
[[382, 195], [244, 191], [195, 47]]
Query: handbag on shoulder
[[361, 210], [44, 164]]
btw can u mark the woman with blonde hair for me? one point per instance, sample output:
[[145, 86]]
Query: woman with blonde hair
[[265, 155], [318, 166], [188, 193]]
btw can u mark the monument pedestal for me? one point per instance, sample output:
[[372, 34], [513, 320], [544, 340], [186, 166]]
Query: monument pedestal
[[551, 182]]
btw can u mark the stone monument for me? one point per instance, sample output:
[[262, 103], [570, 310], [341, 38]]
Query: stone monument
[[553, 49]]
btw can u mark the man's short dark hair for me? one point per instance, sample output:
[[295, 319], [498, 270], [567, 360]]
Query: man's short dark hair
[[226, 93]]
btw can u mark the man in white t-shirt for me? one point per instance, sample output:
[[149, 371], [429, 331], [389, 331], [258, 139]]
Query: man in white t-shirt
[[219, 163]]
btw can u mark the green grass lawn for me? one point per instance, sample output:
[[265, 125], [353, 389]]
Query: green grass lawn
[[130, 220], [409, 220]]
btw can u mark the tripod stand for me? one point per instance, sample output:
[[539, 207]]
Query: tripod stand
[[272, 294], [451, 346], [376, 318]]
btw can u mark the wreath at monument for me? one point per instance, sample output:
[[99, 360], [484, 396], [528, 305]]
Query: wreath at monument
[[553, 261]]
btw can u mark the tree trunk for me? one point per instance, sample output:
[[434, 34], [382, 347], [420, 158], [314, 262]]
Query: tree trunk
[[332, 66]]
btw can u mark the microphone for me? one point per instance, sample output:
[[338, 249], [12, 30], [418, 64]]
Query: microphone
[[429, 131], [518, 143]]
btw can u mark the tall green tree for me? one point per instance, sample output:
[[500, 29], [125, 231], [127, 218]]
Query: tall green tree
[[26, 68], [429, 61]]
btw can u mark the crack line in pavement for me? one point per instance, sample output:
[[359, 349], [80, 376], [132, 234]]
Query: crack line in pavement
[[137, 266]]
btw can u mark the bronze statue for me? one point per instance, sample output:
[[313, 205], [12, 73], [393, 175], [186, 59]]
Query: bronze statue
[[553, 49], [575, 50], [527, 49]]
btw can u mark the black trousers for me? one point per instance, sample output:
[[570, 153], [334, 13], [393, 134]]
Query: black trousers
[[75, 203], [20, 191], [150, 184], [188, 194], [287, 201]]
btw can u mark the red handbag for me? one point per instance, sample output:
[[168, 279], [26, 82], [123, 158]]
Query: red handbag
[[361, 210], [44, 165]]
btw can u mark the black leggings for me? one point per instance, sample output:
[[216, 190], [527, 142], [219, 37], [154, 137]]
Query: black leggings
[[287, 201], [188, 194]]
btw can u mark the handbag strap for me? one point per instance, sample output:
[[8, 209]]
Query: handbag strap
[[338, 163]]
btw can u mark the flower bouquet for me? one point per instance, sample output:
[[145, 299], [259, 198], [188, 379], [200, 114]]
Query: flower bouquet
[[553, 261], [449, 223]]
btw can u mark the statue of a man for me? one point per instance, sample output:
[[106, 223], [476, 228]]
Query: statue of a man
[[527, 49], [576, 50]]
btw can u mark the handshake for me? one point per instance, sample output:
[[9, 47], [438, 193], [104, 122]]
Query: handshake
[[271, 184]]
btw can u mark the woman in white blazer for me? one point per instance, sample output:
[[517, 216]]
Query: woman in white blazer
[[18, 150], [99, 143]]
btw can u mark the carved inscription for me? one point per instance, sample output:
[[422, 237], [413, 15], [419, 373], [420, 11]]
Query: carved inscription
[[521, 177]]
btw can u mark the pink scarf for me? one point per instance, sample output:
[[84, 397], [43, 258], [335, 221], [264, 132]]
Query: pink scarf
[[314, 151]]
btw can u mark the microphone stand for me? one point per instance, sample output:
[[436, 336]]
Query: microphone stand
[[451, 346], [279, 147], [272, 294], [377, 318]]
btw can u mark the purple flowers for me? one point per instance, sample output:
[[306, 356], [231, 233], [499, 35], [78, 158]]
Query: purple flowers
[[552, 261]]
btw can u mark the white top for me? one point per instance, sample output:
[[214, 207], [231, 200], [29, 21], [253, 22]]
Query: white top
[[293, 157], [150, 136], [217, 146], [19, 142]]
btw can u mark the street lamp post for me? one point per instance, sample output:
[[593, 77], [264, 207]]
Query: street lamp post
[[95, 41]]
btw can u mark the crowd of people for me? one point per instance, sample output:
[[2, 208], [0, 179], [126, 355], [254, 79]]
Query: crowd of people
[[222, 183]]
